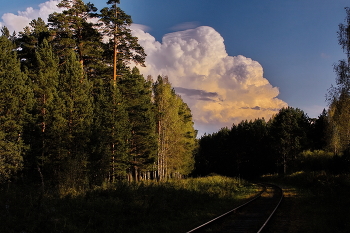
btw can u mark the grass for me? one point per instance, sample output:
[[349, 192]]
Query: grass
[[173, 206], [314, 202]]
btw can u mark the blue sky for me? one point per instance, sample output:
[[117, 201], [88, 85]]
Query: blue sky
[[294, 41]]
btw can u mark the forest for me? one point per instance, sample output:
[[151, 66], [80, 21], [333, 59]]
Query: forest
[[76, 115], [73, 112]]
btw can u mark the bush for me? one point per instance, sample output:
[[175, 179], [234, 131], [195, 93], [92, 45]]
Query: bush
[[317, 160]]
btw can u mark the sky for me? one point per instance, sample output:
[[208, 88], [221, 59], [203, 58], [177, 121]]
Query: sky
[[230, 60]]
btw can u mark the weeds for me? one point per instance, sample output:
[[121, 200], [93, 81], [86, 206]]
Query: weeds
[[172, 206]]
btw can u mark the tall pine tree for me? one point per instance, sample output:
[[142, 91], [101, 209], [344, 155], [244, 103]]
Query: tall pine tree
[[124, 47]]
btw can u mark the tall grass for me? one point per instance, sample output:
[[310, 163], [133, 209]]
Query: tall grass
[[172, 206]]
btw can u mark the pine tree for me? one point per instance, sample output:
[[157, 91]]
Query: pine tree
[[30, 39], [213, 154], [137, 96], [73, 127], [125, 47], [71, 29], [44, 75], [319, 132], [110, 155], [15, 101]]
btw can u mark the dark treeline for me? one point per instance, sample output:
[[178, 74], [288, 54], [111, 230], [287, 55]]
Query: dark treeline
[[290, 141], [74, 114], [254, 148]]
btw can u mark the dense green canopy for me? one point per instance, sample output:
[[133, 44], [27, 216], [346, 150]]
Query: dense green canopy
[[66, 121]]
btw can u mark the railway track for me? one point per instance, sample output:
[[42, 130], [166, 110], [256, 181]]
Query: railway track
[[252, 216]]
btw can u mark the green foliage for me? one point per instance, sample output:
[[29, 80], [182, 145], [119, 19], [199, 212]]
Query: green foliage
[[242, 150], [214, 154], [62, 105], [136, 92], [187, 140], [74, 130], [320, 131], [339, 96], [5, 32], [317, 160], [71, 30], [110, 135], [289, 130], [176, 135], [44, 76], [15, 101], [29, 40], [254, 148], [125, 46], [339, 124]]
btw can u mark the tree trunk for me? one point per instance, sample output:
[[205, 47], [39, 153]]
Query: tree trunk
[[115, 49], [284, 165]]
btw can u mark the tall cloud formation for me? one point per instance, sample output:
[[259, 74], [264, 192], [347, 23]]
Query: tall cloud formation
[[220, 89]]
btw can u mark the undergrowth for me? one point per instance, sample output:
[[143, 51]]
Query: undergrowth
[[149, 206]]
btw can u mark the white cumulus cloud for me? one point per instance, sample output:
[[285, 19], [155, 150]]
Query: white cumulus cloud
[[220, 89], [16, 22]]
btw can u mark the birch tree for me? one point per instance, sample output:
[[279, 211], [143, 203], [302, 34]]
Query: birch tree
[[176, 136], [339, 96]]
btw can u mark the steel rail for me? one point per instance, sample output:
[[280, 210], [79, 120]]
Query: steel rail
[[233, 210], [273, 212], [243, 205]]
